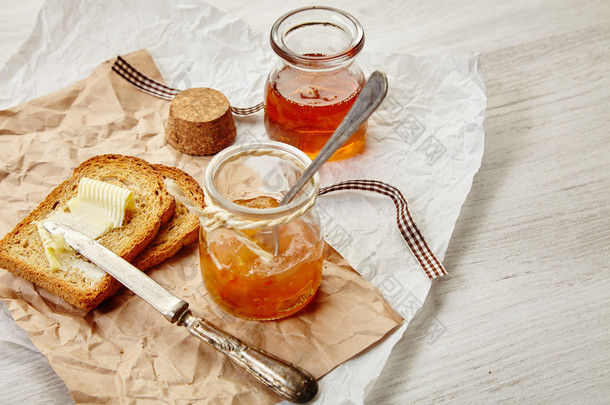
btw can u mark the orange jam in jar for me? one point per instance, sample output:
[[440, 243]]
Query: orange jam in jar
[[248, 183], [316, 80]]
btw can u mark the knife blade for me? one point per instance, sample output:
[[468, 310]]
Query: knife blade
[[284, 378]]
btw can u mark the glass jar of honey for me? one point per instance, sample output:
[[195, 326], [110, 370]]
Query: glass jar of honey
[[316, 79], [241, 268]]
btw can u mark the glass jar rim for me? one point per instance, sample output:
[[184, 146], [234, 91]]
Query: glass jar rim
[[308, 192], [279, 46]]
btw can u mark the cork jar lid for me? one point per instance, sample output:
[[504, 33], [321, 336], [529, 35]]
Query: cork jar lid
[[200, 122]]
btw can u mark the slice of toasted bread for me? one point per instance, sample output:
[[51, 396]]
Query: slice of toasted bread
[[22, 253], [181, 230]]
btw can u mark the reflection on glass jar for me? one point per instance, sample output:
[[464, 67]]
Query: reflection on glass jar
[[239, 269], [316, 80]]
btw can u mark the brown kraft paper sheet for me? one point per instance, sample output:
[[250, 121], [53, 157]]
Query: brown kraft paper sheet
[[124, 351]]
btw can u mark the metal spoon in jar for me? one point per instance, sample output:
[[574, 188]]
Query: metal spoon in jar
[[371, 95]]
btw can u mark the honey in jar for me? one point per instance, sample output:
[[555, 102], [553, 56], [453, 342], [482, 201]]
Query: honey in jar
[[316, 80], [249, 186]]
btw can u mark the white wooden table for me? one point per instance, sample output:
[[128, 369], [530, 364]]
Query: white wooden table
[[525, 308]]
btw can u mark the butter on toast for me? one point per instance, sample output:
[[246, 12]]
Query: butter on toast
[[22, 252], [181, 230]]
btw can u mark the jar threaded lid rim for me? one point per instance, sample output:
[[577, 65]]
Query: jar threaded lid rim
[[309, 191], [291, 22]]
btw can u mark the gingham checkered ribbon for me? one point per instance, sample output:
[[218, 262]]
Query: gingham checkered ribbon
[[411, 234], [153, 87], [429, 263]]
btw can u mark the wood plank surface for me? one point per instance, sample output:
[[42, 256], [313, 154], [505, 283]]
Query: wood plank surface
[[526, 305]]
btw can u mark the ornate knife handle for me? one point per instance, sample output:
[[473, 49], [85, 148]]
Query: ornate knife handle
[[284, 378]]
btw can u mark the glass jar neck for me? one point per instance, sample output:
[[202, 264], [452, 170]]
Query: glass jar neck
[[317, 37], [249, 171]]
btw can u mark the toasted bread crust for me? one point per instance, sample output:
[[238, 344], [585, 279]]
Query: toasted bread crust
[[21, 250], [181, 230]]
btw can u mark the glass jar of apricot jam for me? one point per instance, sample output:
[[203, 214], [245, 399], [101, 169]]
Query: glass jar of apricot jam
[[241, 268], [316, 79]]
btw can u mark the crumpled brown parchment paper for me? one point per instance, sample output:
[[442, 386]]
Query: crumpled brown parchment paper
[[124, 351]]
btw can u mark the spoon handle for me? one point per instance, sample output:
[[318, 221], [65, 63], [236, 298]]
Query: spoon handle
[[371, 95]]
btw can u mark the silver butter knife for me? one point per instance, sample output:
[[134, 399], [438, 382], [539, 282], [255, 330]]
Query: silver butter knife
[[284, 378]]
